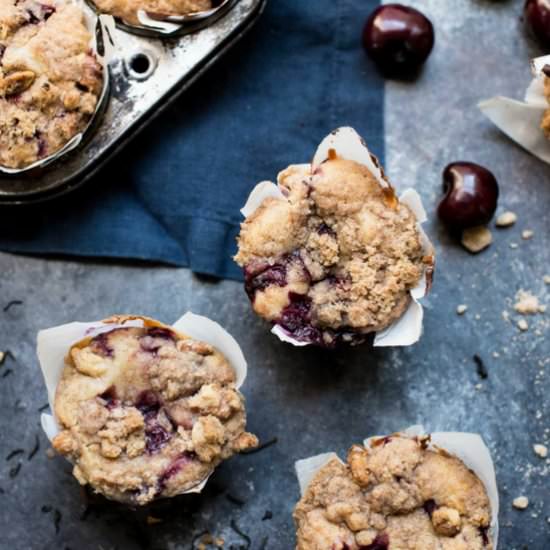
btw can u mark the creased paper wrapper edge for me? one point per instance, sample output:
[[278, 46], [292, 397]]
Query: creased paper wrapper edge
[[347, 143], [520, 120], [54, 343], [477, 458]]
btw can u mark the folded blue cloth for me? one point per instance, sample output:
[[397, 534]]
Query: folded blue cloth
[[173, 196]]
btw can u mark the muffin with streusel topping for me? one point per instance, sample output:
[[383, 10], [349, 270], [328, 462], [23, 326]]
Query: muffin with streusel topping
[[146, 412], [334, 257], [127, 10], [397, 494], [50, 80]]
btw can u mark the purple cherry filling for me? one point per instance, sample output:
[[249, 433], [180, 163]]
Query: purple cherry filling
[[43, 13], [296, 319], [100, 345], [156, 435], [151, 342], [429, 507], [258, 278], [110, 397], [381, 542], [484, 532], [175, 467]]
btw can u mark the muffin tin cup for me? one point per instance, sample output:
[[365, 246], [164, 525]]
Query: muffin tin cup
[[53, 345], [468, 447], [347, 144], [520, 120], [100, 27]]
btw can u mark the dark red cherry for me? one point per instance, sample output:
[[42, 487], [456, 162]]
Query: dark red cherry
[[398, 38], [471, 195], [537, 16]]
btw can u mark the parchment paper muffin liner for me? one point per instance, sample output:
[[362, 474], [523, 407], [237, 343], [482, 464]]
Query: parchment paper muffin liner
[[101, 28], [53, 344], [520, 120], [468, 447], [347, 144]]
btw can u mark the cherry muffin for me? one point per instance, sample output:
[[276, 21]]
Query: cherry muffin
[[398, 494], [127, 10], [146, 412], [50, 80], [335, 256]]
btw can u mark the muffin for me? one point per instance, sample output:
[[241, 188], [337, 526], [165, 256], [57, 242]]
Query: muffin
[[146, 412], [127, 10], [335, 255], [50, 80], [399, 493]]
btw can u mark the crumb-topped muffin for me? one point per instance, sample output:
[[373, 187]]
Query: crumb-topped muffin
[[335, 258], [146, 412], [127, 9], [50, 81], [396, 495]]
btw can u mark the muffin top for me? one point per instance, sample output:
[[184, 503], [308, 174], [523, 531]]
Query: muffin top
[[336, 258], [127, 9], [50, 81], [146, 412], [397, 494]]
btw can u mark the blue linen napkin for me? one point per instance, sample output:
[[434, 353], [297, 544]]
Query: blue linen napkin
[[173, 196]]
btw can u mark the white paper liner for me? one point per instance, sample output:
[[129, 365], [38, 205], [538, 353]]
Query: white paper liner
[[54, 343], [107, 26], [468, 447], [520, 120], [173, 23], [347, 144]]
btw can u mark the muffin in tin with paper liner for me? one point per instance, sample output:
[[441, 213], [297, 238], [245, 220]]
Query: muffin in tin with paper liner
[[127, 10], [331, 254], [398, 492], [143, 410], [51, 80]]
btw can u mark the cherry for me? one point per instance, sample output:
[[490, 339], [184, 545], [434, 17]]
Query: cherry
[[537, 16], [398, 39], [471, 195]]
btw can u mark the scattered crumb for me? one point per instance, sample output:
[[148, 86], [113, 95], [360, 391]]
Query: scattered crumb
[[527, 234], [514, 245], [541, 450], [506, 219], [546, 279], [50, 453], [461, 309], [505, 315], [542, 309], [152, 520], [479, 387], [526, 303], [522, 325], [477, 316], [521, 503], [2, 356], [476, 239], [496, 354]]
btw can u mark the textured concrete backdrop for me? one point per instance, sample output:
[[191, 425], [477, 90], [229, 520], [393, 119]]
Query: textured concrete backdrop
[[311, 400]]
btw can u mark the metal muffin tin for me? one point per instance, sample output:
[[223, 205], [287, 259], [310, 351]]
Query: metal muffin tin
[[148, 72]]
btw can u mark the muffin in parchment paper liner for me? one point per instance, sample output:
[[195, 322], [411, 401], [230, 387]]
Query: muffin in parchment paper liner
[[44, 80], [440, 485], [144, 410], [164, 17], [526, 122], [282, 284]]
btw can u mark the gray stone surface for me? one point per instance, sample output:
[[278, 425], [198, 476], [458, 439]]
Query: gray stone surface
[[313, 400]]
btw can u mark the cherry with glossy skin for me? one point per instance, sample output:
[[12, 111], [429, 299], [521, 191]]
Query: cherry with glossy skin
[[471, 195], [398, 38], [537, 16]]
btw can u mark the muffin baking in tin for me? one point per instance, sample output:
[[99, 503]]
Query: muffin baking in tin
[[146, 412], [50, 80]]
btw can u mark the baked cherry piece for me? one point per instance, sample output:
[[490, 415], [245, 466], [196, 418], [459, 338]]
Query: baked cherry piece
[[537, 17], [471, 195], [398, 38]]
